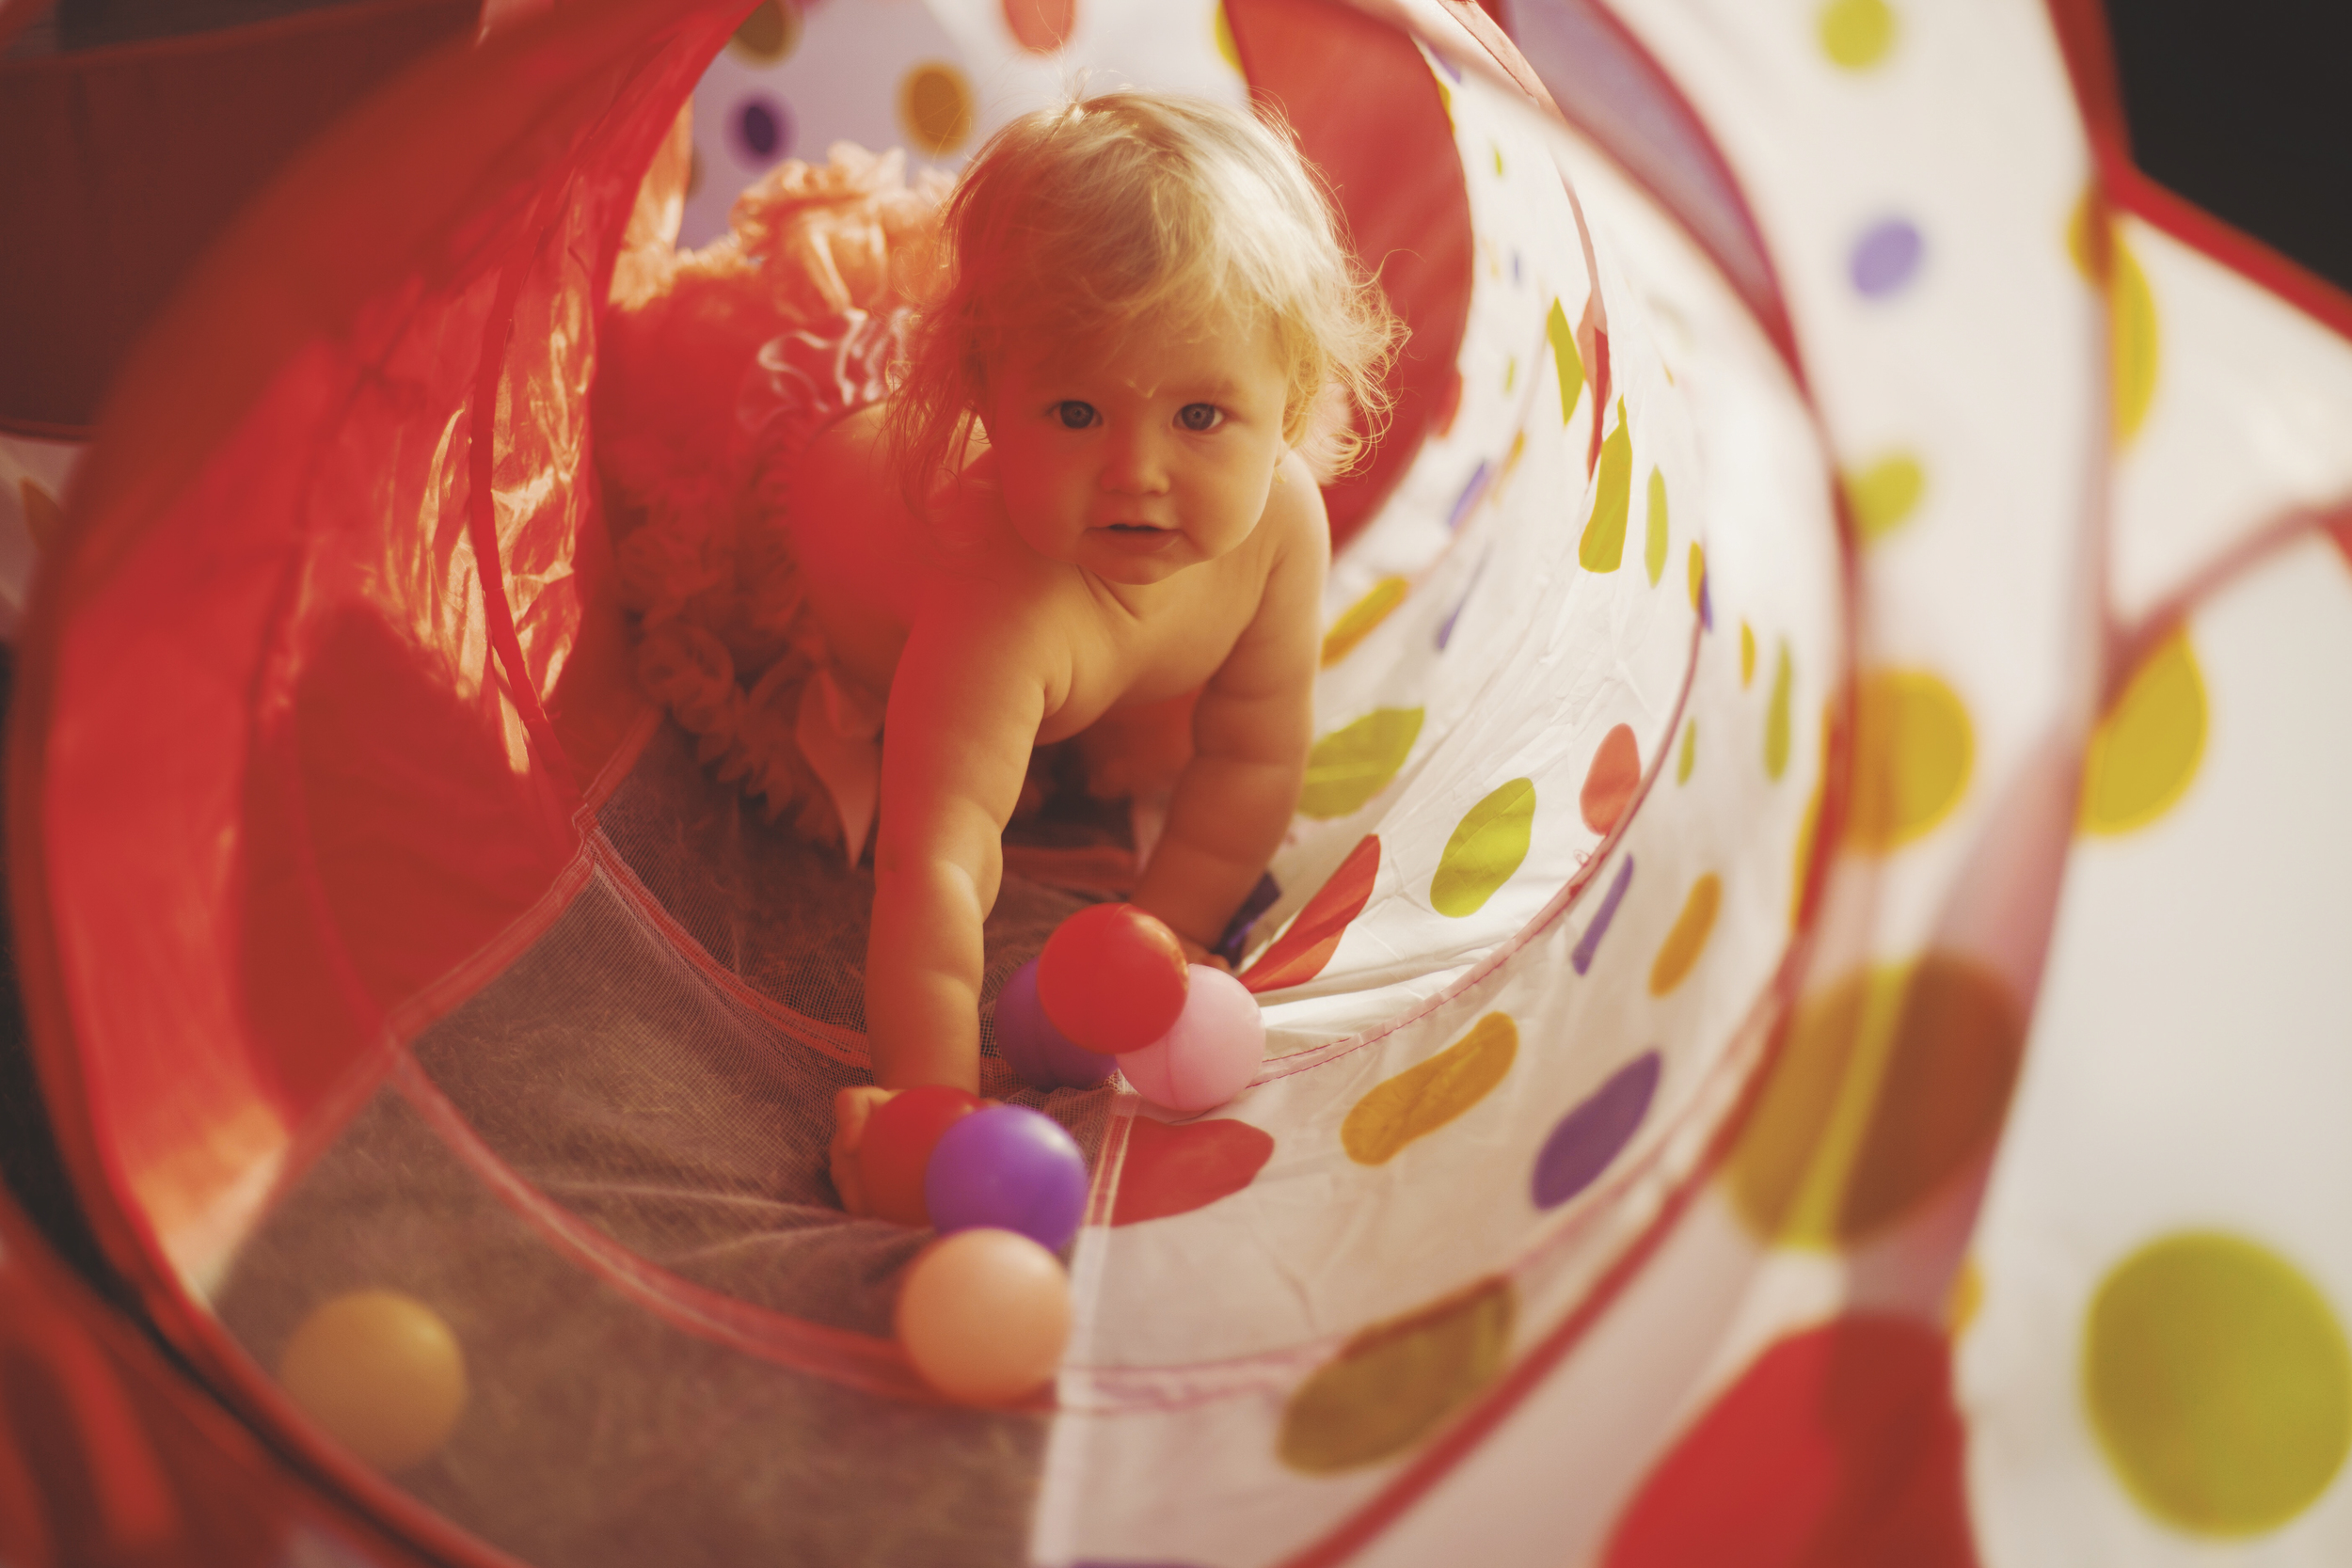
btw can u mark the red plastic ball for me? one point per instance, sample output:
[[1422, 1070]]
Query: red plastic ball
[[898, 1147], [1112, 978]]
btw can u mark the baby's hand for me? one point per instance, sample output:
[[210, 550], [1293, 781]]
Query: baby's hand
[[851, 1108], [1195, 953]]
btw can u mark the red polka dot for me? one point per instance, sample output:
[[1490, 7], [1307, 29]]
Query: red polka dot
[[1610, 783], [1299, 954], [1837, 1447], [1041, 26], [1175, 1169]]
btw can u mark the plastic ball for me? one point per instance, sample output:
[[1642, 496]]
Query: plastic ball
[[1009, 1168], [1211, 1053], [898, 1147], [984, 1316], [1112, 978], [382, 1372], [1040, 1054]]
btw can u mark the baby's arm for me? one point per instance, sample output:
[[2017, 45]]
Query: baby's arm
[[970, 690], [1251, 730]]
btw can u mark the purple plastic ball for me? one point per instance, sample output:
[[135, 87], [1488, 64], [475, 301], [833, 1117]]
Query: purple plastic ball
[[1034, 1048], [1010, 1168]]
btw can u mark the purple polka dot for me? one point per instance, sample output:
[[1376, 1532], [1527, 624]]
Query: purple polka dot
[[1596, 1133], [763, 130], [1886, 257], [1445, 632], [1236, 937], [1471, 494], [1589, 942]]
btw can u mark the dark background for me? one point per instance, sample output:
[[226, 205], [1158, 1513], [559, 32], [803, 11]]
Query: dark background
[[2244, 107]]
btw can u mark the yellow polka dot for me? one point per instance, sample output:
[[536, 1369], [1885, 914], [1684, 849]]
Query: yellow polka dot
[[1912, 750], [1424, 1098], [1511, 458], [1487, 847], [1887, 1084], [1654, 550], [1885, 494], [1227, 48], [2145, 750], [2086, 236], [1603, 548], [1857, 34], [1777, 720], [2133, 342], [1690, 746], [770, 34], [2219, 1381], [1565, 359], [1396, 1382], [44, 519], [1698, 574], [936, 107], [1510, 372], [1354, 762], [1357, 621], [1688, 938], [1801, 873], [1964, 1299], [381, 1371], [1498, 152], [1747, 654]]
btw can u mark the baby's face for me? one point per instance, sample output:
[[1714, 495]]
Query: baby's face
[[1138, 458]]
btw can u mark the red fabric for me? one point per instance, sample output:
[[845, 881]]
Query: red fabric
[[1837, 1447], [1378, 132], [308, 713]]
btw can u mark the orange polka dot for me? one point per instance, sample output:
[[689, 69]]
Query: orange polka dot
[[1681, 951]]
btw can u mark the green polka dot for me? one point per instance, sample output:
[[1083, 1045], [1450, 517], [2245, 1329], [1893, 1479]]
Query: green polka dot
[[2218, 1382], [1354, 762], [1395, 1383], [1498, 152], [1858, 34], [1654, 549], [1603, 548], [1565, 359], [1487, 847], [1885, 494], [1690, 748]]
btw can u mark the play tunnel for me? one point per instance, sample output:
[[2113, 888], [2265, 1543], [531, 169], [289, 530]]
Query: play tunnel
[[1804, 994]]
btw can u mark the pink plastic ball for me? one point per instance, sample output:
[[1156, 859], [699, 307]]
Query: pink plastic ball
[[1210, 1055], [984, 1315]]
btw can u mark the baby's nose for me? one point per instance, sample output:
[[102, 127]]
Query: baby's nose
[[1135, 465]]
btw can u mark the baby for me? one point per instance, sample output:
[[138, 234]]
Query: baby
[[1086, 493]]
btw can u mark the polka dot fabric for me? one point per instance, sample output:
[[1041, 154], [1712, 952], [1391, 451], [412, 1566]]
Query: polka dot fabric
[[1805, 993]]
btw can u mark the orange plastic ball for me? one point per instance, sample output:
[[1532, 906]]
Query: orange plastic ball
[[897, 1148], [382, 1372], [984, 1316], [1112, 978]]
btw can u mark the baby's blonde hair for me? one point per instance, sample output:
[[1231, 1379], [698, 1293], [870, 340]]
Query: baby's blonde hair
[[1131, 208]]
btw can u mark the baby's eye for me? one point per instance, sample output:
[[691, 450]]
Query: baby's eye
[[1075, 415], [1199, 417]]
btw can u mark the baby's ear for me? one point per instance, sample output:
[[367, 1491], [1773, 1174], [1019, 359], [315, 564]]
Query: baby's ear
[[1323, 440]]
